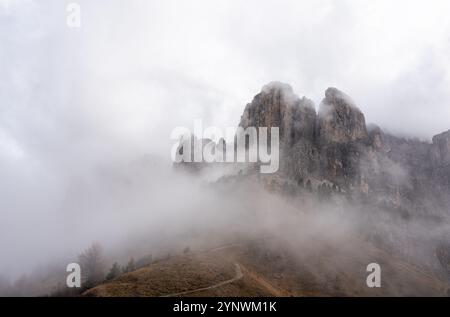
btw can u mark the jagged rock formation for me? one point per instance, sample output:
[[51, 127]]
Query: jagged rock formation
[[340, 121], [278, 106], [336, 147], [440, 151], [334, 150], [333, 156]]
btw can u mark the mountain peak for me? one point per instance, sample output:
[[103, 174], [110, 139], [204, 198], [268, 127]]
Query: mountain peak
[[277, 86], [340, 120], [335, 96]]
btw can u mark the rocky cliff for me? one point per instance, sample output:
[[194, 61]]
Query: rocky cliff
[[336, 149]]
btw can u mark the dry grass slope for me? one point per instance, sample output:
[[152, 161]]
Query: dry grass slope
[[242, 271]]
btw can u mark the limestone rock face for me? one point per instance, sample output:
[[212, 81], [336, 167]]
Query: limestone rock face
[[339, 118], [440, 167], [440, 151], [336, 147], [376, 137], [342, 137], [277, 106], [271, 108]]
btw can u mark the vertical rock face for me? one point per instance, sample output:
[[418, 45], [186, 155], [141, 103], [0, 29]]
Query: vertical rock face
[[304, 117], [272, 107], [342, 134], [440, 167], [339, 119], [440, 150], [277, 106], [376, 137], [335, 146]]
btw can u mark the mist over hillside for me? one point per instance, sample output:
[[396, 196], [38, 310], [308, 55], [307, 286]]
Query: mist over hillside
[[344, 194], [87, 114]]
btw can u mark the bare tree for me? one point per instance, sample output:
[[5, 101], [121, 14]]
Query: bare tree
[[130, 266], [92, 266]]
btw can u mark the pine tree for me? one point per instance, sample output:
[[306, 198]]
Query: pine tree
[[113, 272]]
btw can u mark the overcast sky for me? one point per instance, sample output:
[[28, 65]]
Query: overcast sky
[[75, 99]]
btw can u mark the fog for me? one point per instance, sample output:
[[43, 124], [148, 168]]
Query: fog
[[86, 113]]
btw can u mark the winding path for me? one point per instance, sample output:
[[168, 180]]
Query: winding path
[[239, 274], [237, 277]]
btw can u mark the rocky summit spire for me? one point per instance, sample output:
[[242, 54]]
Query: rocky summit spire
[[277, 106], [340, 120], [335, 147]]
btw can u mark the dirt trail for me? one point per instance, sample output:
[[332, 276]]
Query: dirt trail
[[237, 277], [240, 270]]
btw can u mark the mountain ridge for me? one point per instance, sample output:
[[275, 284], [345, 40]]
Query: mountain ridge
[[336, 145]]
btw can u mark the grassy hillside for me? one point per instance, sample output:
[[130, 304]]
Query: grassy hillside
[[259, 270]]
